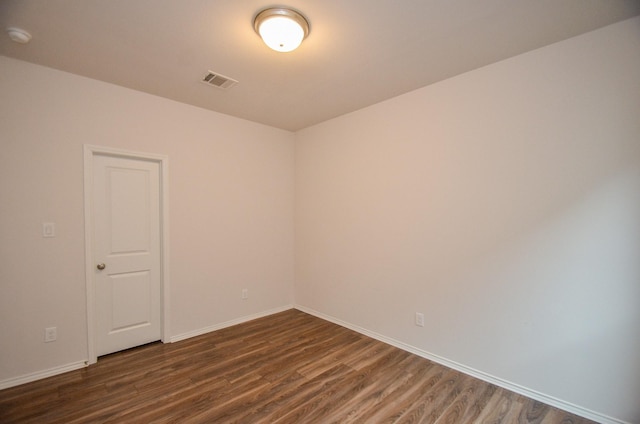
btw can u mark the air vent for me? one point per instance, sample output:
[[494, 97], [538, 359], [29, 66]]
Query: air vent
[[217, 80]]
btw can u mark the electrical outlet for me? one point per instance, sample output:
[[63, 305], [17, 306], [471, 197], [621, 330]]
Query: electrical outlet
[[48, 229], [419, 319], [245, 293], [50, 334]]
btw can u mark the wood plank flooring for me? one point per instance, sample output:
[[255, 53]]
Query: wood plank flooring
[[286, 368]]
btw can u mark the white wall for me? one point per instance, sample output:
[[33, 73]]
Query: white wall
[[504, 204], [231, 209]]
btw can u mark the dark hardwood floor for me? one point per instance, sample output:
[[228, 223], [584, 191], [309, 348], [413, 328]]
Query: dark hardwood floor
[[286, 368]]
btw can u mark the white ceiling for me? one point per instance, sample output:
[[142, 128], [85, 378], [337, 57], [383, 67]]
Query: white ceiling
[[358, 53]]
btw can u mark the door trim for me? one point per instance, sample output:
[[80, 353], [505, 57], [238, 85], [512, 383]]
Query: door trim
[[90, 151]]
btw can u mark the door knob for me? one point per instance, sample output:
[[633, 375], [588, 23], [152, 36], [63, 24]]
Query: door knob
[[101, 266]]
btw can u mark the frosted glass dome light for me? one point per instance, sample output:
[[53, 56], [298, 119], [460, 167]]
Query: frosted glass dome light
[[281, 29]]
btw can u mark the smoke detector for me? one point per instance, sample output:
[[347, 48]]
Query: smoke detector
[[18, 35]]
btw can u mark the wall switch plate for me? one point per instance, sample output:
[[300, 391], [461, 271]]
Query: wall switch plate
[[48, 229], [50, 334], [419, 319], [245, 293]]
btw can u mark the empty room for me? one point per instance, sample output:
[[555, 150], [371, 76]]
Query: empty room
[[412, 211]]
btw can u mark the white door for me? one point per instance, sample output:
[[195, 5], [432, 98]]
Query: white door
[[126, 250]]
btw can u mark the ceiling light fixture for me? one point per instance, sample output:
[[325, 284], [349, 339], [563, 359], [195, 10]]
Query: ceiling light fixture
[[281, 28]]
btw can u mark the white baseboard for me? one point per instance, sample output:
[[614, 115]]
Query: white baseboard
[[549, 400], [28, 378], [226, 324], [16, 381]]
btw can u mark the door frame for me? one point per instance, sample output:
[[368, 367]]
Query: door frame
[[90, 151]]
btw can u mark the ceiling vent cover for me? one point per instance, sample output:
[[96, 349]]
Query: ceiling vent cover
[[217, 80]]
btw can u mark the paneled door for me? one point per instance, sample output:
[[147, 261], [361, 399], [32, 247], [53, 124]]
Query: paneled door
[[126, 208]]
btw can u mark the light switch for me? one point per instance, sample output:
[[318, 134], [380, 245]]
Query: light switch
[[48, 229]]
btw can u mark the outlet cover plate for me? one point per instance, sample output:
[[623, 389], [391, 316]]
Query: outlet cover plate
[[50, 334], [48, 229]]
